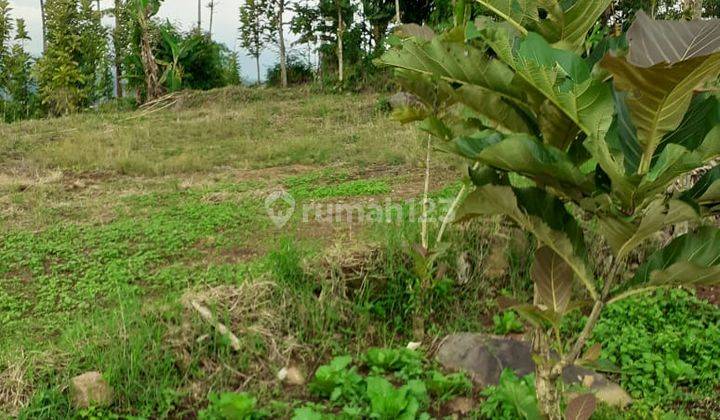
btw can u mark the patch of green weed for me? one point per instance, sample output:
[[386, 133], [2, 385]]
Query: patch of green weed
[[663, 344]]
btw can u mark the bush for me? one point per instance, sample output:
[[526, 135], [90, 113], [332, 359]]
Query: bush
[[299, 72], [662, 343]]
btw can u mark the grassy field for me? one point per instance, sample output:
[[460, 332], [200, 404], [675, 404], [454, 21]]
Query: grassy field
[[115, 223], [111, 221]]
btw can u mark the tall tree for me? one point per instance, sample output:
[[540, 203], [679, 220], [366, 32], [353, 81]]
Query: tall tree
[[93, 53], [340, 13], [5, 31], [340, 32], [119, 44], [277, 33], [253, 29], [378, 14], [329, 24], [211, 5], [693, 8], [142, 13], [60, 79], [44, 30], [19, 83], [21, 33]]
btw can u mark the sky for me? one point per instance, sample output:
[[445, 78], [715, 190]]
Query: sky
[[182, 13]]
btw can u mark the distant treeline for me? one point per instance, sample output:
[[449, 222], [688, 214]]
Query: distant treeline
[[141, 57]]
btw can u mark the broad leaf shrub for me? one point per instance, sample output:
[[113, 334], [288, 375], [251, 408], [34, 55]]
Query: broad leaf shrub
[[507, 323], [599, 135], [399, 384], [663, 344], [230, 405], [511, 398]]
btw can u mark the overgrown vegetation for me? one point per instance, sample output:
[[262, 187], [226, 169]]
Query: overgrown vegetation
[[282, 252], [603, 134], [102, 261]]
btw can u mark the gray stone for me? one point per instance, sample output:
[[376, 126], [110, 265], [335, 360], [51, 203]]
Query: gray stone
[[404, 100], [90, 390], [484, 357]]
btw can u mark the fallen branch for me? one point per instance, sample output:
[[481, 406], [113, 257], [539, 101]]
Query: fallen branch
[[206, 315]]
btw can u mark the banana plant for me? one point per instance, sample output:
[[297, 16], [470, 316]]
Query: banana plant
[[179, 48], [142, 13], [602, 136]]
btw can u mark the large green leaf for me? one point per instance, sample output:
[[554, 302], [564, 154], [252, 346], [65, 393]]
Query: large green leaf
[[566, 24], [501, 115], [624, 235], [621, 185], [625, 146], [706, 190], [560, 77], [522, 154], [670, 41], [454, 61], [431, 94], [521, 14], [666, 62], [557, 129], [700, 119], [690, 259], [553, 279], [539, 213], [674, 161]]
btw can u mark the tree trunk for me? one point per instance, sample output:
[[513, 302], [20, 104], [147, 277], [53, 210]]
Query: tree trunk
[[98, 5], [546, 381], [257, 64], [341, 29], [693, 8], [397, 12], [152, 80], [199, 26], [212, 12], [281, 41], [116, 41], [44, 32]]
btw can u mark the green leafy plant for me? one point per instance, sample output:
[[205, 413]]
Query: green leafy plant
[[512, 398], [443, 387], [406, 364], [602, 135], [507, 323], [662, 343], [179, 48], [338, 381], [388, 402], [232, 406]]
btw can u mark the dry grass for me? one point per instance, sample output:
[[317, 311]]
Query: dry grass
[[223, 129], [14, 388]]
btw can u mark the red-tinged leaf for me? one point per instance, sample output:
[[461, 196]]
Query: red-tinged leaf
[[581, 408]]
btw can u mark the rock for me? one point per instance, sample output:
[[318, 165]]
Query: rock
[[90, 390], [292, 376], [485, 356], [496, 262], [404, 100], [414, 345], [460, 405]]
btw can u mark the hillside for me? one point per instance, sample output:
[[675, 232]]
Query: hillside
[[217, 249]]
